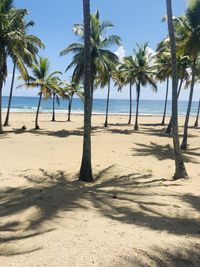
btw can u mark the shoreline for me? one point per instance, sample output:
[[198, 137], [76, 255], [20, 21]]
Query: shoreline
[[62, 112]]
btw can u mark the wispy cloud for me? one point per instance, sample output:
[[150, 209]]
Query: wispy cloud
[[121, 53]]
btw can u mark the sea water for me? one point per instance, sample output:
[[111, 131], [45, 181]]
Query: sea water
[[116, 106]]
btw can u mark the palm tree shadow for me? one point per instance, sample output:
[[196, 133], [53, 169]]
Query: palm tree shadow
[[131, 199], [171, 257], [60, 133], [164, 152]]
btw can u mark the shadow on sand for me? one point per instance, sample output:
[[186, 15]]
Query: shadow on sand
[[130, 199], [165, 152]]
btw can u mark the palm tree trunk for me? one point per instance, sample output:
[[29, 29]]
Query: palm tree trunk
[[185, 133], [130, 112], [37, 113], [86, 165], [196, 124], [169, 127], [180, 171], [69, 107], [137, 107], [92, 94], [166, 97], [6, 123], [53, 114], [107, 105], [1, 87]]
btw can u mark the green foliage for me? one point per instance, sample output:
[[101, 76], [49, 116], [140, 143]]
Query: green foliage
[[47, 83], [101, 56]]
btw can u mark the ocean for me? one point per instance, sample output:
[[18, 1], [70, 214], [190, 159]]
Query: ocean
[[117, 106]]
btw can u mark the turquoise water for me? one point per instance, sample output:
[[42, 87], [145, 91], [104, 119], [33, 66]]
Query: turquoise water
[[147, 107]]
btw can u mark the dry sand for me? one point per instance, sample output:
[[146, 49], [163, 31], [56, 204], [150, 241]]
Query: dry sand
[[48, 218]]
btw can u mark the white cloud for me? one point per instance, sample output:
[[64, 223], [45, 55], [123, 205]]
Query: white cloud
[[121, 53], [150, 51]]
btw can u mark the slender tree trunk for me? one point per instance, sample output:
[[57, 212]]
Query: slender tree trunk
[[1, 87], [6, 123], [69, 107], [53, 114], [137, 108], [180, 171], [169, 127], [130, 112], [166, 97], [107, 105], [185, 133], [37, 113], [92, 94], [196, 124], [86, 165]]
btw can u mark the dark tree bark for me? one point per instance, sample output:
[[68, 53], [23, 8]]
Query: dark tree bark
[[137, 108], [1, 87], [2, 78], [53, 114], [196, 124], [169, 127], [92, 94], [166, 98], [86, 165], [37, 113], [130, 111], [6, 123], [180, 171], [70, 107], [107, 105], [185, 133]]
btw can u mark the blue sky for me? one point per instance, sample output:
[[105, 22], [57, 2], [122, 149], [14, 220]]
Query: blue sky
[[135, 21]]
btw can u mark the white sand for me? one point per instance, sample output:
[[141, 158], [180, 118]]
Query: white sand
[[48, 218]]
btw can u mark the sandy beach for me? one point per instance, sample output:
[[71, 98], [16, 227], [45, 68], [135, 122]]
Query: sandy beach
[[133, 215]]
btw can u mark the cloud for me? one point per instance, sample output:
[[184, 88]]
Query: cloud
[[150, 51], [121, 53]]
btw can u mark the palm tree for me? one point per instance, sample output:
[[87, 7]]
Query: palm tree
[[188, 36], [100, 53], [12, 42], [180, 171], [103, 80], [55, 96], [46, 82], [31, 49], [127, 69], [86, 164], [183, 63], [163, 68], [143, 74], [196, 124], [69, 89]]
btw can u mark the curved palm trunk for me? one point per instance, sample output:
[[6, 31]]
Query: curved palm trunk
[[169, 127], [166, 97], [86, 165], [196, 124], [37, 113], [180, 171], [107, 105], [6, 123], [137, 108], [69, 107], [185, 133], [130, 111], [53, 114]]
